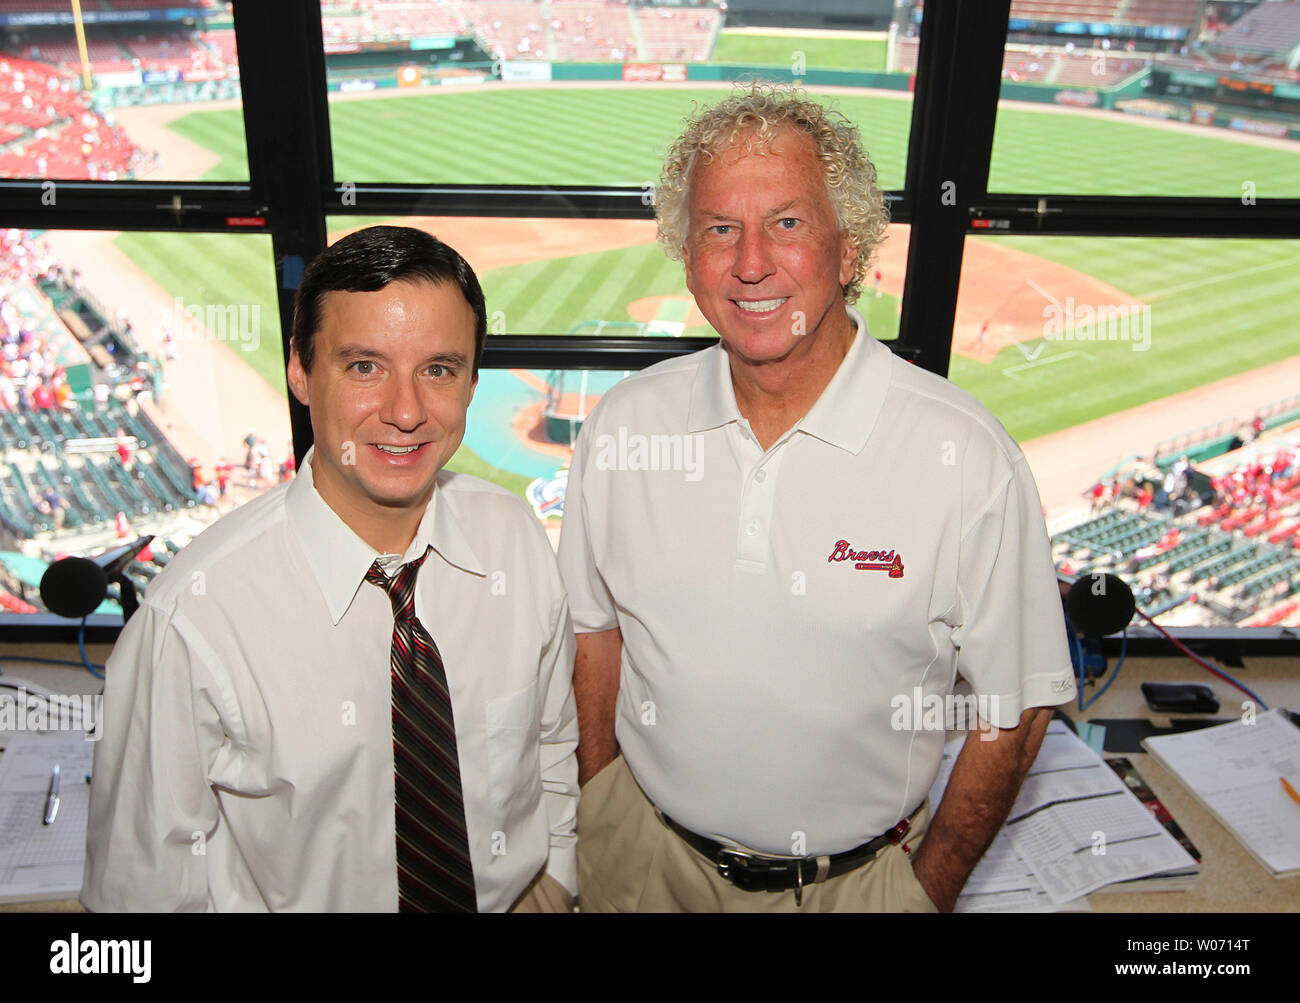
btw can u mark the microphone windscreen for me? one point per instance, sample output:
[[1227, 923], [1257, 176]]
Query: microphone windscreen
[[1100, 604], [73, 587]]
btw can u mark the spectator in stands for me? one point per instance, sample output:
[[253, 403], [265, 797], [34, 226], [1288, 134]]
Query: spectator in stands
[[56, 506], [1098, 493], [223, 472], [289, 465], [43, 397], [123, 448], [250, 440]]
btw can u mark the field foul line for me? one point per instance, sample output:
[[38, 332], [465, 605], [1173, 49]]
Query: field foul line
[[1187, 286], [1012, 370]]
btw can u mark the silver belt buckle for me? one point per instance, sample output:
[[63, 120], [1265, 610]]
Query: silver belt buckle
[[728, 854]]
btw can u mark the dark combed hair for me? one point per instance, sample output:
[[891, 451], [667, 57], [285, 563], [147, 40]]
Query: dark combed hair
[[373, 258]]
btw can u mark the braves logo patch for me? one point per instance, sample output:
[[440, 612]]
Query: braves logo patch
[[868, 560]]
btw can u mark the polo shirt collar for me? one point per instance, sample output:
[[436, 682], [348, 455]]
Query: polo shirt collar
[[842, 416], [339, 559], [845, 413]]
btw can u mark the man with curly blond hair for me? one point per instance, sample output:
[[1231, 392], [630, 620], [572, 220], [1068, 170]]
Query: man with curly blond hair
[[781, 551]]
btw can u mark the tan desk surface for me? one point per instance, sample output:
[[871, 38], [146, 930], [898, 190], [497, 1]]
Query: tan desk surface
[[1231, 880]]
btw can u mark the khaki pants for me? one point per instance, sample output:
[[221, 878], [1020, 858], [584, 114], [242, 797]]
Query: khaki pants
[[629, 861], [545, 894]]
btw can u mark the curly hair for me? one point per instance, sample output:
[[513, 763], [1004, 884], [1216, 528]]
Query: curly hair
[[758, 114]]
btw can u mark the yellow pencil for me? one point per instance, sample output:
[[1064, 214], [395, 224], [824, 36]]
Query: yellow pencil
[[1290, 790]]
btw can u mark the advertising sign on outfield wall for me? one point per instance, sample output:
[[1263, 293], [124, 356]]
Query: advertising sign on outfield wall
[[643, 72], [518, 72], [1080, 99], [1259, 127]]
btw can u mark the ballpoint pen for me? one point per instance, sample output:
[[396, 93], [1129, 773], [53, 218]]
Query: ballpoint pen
[[52, 802]]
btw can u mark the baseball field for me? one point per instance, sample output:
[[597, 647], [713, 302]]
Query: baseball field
[[1210, 308]]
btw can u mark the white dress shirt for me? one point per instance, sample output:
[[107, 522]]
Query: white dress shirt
[[762, 664], [247, 755]]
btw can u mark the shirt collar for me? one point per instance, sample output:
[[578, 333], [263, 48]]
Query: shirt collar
[[339, 559], [842, 416]]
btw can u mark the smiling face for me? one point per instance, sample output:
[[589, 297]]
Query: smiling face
[[765, 259], [389, 386]]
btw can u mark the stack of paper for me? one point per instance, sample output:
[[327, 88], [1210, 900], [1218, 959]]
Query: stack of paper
[[1074, 828], [1236, 772], [38, 861]]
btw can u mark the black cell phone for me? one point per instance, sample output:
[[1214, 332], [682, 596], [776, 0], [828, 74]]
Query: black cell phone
[[1180, 698]]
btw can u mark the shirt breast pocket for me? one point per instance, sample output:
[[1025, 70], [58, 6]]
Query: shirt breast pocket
[[514, 755]]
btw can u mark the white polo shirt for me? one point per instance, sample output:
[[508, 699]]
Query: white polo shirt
[[777, 606]]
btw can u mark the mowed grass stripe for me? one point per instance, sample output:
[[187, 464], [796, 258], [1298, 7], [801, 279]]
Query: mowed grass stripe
[[217, 269], [549, 136], [614, 284], [1195, 338], [1199, 332]]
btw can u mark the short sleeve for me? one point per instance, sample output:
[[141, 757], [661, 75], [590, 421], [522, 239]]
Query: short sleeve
[[590, 603], [1010, 633]]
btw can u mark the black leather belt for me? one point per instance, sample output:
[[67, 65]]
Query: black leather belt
[[758, 872]]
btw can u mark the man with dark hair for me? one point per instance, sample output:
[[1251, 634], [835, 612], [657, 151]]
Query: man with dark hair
[[353, 693]]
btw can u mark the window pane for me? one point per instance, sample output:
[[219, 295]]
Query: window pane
[[607, 277], [156, 96], [1110, 358], [521, 428], [128, 360], [1150, 98], [582, 96]]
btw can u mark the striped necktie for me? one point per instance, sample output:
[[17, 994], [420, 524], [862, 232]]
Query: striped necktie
[[433, 865]]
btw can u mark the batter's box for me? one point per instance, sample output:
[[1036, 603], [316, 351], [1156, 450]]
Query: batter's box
[[1045, 360]]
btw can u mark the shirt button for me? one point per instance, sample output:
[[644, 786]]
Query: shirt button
[[752, 528], [760, 476]]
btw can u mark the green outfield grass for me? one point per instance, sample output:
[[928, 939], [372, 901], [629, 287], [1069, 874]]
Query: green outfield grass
[[865, 54], [1218, 307], [466, 461], [613, 136], [1037, 152], [217, 269], [552, 297]]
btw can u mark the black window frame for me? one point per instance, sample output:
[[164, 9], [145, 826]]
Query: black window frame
[[292, 189]]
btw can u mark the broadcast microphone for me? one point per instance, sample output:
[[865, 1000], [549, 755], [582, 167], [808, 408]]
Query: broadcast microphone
[[1100, 604], [75, 586]]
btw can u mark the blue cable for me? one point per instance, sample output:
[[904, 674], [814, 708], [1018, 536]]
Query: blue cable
[[1076, 649], [85, 659], [1123, 650]]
